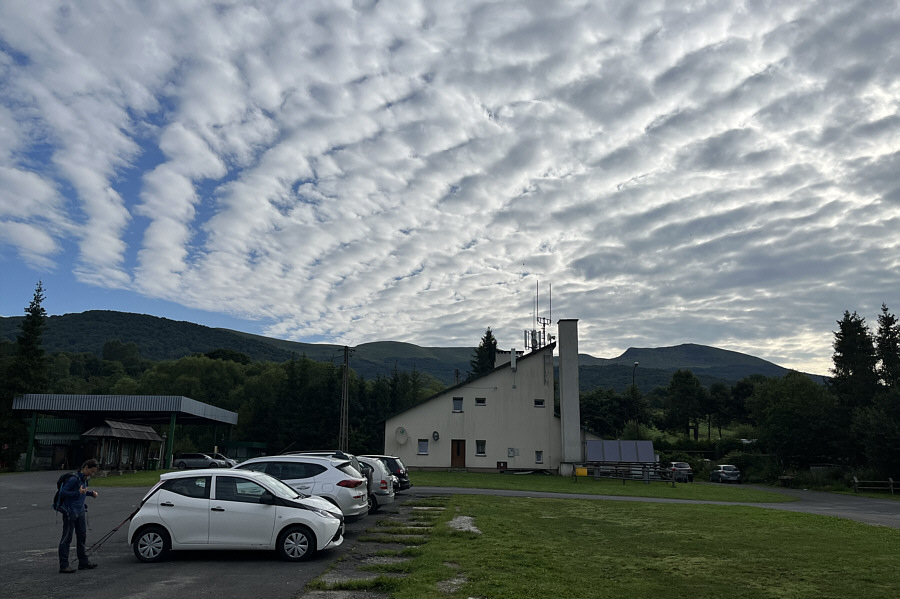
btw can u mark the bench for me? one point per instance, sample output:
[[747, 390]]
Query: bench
[[874, 485]]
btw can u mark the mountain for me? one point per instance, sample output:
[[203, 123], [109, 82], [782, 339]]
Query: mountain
[[163, 339]]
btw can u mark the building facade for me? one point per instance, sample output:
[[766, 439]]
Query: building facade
[[502, 420]]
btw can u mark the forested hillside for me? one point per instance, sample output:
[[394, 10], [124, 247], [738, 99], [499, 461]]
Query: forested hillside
[[163, 339]]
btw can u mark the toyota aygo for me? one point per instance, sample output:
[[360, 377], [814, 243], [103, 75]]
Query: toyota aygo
[[231, 509]]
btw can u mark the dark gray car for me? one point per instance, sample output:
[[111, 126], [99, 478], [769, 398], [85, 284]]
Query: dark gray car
[[197, 460]]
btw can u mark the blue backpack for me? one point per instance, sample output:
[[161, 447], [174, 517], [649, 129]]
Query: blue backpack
[[59, 483]]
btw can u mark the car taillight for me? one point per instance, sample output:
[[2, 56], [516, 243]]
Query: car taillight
[[383, 484], [350, 483]]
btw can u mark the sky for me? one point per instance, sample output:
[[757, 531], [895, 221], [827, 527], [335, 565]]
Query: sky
[[720, 173]]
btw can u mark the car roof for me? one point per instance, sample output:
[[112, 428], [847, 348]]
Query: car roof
[[283, 457], [207, 472]]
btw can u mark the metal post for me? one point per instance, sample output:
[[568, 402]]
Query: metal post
[[343, 439]]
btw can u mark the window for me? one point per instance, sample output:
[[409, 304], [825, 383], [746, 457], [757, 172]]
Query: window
[[231, 488], [538, 457], [423, 446], [479, 447], [480, 401], [539, 403], [196, 487], [457, 404]]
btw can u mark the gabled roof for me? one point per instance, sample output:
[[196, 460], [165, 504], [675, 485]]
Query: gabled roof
[[468, 382], [123, 430]]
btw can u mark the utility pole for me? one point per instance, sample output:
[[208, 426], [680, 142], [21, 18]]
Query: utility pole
[[344, 437]]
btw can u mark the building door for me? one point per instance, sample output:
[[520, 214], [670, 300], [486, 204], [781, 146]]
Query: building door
[[458, 453]]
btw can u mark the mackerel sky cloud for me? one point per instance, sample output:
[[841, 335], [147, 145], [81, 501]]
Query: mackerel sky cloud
[[349, 171]]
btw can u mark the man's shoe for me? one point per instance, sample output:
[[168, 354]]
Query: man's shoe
[[67, 570], [87, 566]]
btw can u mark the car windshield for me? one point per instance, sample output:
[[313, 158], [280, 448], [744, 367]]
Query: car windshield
[[280, 487], [729, 468], [400, 464], [681, 465]]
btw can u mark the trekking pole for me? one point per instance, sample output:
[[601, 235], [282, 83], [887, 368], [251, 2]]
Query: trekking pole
[[106, 537]]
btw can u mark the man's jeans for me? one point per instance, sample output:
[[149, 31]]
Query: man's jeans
[[78, 525]]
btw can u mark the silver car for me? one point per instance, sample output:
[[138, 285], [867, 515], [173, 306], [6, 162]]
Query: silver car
[[725, 473], [381, 484], [197, 460], [334, 479]]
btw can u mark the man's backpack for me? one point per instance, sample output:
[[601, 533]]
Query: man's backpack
[[59, 483]]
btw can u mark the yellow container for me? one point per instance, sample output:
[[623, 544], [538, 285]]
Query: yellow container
[[580, 471]]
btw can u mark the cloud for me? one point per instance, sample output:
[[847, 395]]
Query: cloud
[[354, 171]]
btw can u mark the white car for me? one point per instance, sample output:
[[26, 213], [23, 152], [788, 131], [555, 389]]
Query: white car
[[231, 509], [331, 478], [381, 486]]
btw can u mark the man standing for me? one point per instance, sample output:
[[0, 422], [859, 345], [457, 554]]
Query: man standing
[[71, 501]]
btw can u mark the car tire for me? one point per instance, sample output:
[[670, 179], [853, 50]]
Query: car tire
[[151, 544], [181, 465], [373, 504], [213, 465], [296, 544]]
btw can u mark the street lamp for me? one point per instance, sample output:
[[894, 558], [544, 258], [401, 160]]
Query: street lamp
[[632, 373]]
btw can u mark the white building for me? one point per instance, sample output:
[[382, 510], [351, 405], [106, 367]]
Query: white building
[[501, 420]]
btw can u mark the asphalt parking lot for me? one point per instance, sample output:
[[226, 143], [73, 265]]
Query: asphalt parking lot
[[30, 531]]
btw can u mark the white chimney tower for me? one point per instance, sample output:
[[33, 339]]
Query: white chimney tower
[[570, 412]]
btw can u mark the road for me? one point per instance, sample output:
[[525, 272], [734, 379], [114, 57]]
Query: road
[[30, 530], [878, 512]]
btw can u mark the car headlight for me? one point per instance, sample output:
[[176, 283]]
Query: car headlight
[[324, 514]]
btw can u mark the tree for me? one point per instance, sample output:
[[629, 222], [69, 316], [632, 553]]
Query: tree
[[797, 420], [855, 380], [887, 349], [718, 400], [685, 399], [485, 355], [27, 372]]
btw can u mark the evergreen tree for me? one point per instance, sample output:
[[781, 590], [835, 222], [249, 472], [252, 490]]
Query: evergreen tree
[[855, 380], [485, 355], [27, 372], [887, 349]]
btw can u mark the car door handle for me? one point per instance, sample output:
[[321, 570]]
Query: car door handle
[[167, 504], [218, 509]]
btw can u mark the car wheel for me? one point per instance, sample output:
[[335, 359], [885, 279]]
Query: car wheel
[[296, 544], [373, 504], [213, 465], [182, 465], [151, 544]]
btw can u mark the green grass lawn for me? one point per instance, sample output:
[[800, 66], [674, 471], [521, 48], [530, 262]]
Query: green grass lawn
[[561, 484], [577, 548]]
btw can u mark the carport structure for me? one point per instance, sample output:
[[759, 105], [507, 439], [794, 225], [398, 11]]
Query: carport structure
[[149, 410]]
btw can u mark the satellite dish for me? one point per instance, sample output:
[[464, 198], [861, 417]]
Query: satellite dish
[[400, 435]]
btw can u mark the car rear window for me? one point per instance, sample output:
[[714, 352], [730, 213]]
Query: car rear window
[[348, 469]]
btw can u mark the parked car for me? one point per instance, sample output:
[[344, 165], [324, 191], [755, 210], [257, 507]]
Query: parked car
[[381, 485], [682, 471], [197, 460], [335, 453], [231, 509], [334, 479], [396, 467], [725, 473], [220, 456]]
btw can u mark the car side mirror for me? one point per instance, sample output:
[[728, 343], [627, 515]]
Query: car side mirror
[[267, 498]]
